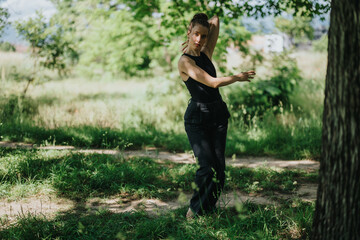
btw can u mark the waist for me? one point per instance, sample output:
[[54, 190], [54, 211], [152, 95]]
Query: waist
[[217, 101], [206, 112]]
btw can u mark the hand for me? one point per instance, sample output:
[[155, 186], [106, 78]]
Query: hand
[[186, 43], [246, 76]]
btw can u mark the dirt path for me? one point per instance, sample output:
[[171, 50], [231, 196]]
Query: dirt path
[[251, 162], [50, 206]]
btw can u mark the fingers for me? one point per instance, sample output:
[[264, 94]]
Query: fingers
[[251, 72], [186, 45], [183, 50], [247, 76]]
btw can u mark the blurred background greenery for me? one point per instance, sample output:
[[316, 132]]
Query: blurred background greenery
[[104, 74]]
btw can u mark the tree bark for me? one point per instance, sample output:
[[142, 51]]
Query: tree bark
[[337, 214]]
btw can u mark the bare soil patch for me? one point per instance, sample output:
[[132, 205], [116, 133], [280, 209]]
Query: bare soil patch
[[35, 205]]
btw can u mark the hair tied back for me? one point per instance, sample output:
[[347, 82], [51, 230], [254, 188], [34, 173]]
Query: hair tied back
[[200, 16]]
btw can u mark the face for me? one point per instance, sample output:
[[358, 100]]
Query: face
[[197, 36]]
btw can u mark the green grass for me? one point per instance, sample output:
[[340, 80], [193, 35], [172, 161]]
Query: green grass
[[79, 176], [246, 221]]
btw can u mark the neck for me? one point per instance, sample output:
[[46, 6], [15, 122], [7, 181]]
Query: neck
[[193, 52]]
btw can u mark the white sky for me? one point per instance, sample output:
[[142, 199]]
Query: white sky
[[23, 9]]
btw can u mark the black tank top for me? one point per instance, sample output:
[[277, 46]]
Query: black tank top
[[200, 92]]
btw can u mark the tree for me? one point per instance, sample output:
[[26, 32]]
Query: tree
[[337, 214], [119, 43], [49, 43], [4, 15], [157, 28], [298, 28]]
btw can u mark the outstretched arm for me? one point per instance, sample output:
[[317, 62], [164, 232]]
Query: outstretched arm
[[209, 47], [189, 68]]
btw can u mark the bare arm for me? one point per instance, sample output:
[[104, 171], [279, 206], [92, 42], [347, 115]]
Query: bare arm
[[188, 67], [209, 47]]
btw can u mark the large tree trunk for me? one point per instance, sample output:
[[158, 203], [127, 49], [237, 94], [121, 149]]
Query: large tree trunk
[[337, 214]]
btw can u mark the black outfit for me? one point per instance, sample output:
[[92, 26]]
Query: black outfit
[[206, 121]]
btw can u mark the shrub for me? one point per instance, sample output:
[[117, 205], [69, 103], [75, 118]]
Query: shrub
[[262, 95], [7, 47]]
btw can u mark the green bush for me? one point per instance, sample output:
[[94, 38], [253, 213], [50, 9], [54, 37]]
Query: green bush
[[7, 47], [262, 95]]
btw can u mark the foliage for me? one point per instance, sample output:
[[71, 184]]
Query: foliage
[[152, 31], [321, 45], [235, 34], [262, 95], [298, 28], [7, 47], [119, 43], [49, 43], [4, 15]]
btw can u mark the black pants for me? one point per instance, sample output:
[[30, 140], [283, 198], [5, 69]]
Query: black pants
[[207, 139]]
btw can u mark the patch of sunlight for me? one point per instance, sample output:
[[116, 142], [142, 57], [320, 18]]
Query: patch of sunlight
[[27, 189], [240, 147], [47, 154], [256, 134]]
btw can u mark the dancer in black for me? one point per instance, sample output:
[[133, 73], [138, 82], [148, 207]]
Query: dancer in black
[[206, 117]]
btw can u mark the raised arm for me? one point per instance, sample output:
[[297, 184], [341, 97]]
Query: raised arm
[[209, 47], [188, 68]]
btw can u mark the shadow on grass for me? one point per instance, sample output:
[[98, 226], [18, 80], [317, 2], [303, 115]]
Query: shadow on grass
[[78, 176], [247, 221], [95, 137]]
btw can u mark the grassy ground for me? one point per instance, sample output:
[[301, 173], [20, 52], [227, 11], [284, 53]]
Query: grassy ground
[[247, 221], [80, 176], [83, 175]]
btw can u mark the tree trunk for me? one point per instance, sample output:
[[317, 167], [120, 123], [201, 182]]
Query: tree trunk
[[337, 214]]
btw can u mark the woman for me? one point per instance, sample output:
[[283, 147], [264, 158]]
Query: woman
[[206, 117]]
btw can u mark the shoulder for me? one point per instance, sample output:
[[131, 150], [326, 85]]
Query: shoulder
[[184, 60]]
